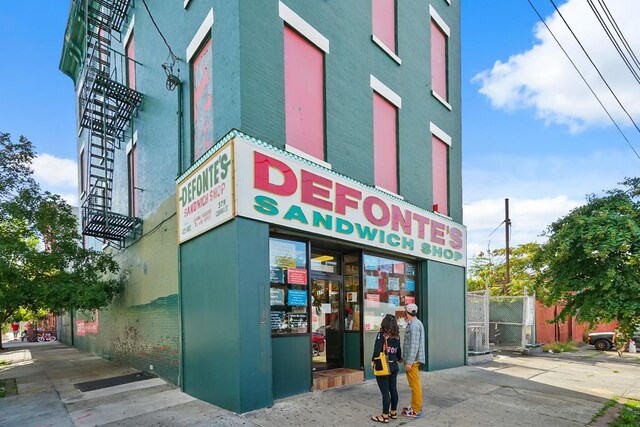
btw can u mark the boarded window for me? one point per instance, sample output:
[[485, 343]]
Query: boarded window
[[383, 14], [385, 143], [304, 94], [440, 153], [202, 96], [132, 160], [131, 65], [438, 61]]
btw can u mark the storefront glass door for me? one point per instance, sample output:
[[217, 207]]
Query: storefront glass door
[[327, 320]]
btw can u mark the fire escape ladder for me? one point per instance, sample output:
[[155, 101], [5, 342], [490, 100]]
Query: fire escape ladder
[[107, 106]]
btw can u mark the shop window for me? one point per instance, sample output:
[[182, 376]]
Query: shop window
[[289, 286], [383, 14], [352, 306], [304, 94], [440, 159], [132, 160], [202, 100], [439, 61], [131, 65], [385, 143]]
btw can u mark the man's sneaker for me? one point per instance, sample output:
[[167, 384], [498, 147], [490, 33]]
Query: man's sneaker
[[410, 413]]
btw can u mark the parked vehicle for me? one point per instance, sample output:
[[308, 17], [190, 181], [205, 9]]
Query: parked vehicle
[[604, 340], [317, 343]]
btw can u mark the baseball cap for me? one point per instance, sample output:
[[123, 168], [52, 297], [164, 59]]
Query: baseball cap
[[412, 309]]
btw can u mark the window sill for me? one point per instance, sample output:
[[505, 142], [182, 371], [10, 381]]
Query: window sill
[[386, 49], [186, 3], [391, 193], [308, 157], [439, 98]]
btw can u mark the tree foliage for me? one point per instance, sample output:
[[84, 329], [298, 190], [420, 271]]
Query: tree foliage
[[42, 263], [489, 269], [592, 260]]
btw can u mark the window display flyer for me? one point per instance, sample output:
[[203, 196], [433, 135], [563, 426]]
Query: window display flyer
[[277, 319], [398, 268], [276, 275], [394, 300], [297, 298], [393, 284], [374, 300], [409, 300], [410, 285], [277, 296], [297, 320], [283, 254], [372, 282], [297, 276]]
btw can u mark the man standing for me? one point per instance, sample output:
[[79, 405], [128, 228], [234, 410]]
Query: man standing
[[413, 352], [14, 327]]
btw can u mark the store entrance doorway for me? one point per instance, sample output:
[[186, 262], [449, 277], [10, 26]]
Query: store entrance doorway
[[327, 318]]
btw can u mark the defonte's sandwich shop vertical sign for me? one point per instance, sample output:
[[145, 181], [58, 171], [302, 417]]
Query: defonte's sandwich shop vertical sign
[[270, 185]]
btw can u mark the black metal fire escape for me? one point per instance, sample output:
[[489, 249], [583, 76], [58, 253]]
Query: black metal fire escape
[[107, 105]]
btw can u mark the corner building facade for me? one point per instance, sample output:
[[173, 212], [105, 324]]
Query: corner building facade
[[300, 179]]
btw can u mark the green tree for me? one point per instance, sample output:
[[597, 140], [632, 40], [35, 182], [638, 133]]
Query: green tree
[[42, 263], [489, 269], [592, 261]]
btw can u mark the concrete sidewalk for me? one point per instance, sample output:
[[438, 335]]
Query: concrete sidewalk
[[556, 390]]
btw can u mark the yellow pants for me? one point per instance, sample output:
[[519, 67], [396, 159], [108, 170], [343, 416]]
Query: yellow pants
[[416, 389]]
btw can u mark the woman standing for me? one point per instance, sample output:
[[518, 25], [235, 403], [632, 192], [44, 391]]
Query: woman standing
[[390, 335]]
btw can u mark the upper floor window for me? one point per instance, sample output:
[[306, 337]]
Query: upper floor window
[[440, 145], [439, 51], [383, 16], [202, 99], [83, 172], [385, 135], [385, 141], [304, 94], [131, 65]]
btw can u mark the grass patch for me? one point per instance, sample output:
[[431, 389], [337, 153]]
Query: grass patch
[[629, 415], [4, 363], [560, 347], [2, 388], [604, 408]]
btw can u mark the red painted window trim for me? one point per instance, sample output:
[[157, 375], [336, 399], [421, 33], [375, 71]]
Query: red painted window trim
[[385, 143], [440, 165], [132, 163], [130, 49], [439, 61], [383, 17], [304, 94]]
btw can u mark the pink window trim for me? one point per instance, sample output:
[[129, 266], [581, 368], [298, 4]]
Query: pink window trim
[[202, 100], [83, 172], [304, 94], [438, 61], [440, 161], [385, 144], [131, 65], [133, 180], [383, 14]]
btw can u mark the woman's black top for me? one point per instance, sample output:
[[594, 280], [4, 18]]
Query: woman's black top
[[394, 352]]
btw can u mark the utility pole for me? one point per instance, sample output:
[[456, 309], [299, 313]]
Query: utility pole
[[507, 229]]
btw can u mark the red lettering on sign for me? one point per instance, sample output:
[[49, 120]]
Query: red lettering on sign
[[369, 202], [262, 164], [312, 186], [346, 196]]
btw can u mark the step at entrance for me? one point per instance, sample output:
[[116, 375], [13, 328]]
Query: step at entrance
[[336, 378]]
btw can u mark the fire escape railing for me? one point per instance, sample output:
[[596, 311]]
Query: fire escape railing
[[107, 105]]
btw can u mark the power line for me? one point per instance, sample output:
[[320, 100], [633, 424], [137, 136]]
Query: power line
[[594, 65], [611, 37], [615, 26], [583, 79]]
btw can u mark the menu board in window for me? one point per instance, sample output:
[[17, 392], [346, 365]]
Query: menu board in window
[[289, 294]]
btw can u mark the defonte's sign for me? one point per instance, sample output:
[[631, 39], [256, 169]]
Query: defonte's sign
[[277, 187]]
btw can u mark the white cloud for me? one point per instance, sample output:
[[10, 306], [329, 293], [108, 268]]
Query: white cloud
[[542, 77], [529, 218], [53, 171]]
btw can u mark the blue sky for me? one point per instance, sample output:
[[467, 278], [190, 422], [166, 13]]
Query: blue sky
[[532, 132]]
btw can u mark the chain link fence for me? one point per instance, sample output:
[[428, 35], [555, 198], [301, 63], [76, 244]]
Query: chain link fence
[[500, 322], [478, 322]]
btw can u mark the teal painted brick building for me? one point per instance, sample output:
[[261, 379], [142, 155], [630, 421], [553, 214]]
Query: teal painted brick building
[[300, 179]]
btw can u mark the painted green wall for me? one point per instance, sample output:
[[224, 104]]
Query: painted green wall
[[352, 353], [225, 303], [291, 365], [445, 320], [353, 57]]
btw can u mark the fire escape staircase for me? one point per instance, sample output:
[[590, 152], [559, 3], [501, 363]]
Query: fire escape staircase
[[107, 105]]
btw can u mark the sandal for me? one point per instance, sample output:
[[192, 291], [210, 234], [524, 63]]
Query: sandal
[[393, 415], [380, 419]]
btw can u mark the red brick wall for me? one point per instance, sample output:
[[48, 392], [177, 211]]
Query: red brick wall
[[548, 332]]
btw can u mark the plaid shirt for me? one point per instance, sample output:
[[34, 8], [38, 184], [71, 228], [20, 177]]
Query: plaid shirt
[[414, 343]]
